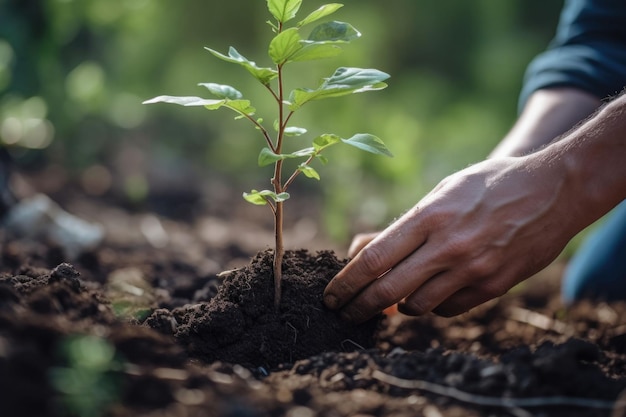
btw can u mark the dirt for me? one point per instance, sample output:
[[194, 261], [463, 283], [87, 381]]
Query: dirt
[[153, 327]]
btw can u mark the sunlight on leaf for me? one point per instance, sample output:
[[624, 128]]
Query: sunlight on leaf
[[185, 101], [343, 82], [334, 31], [259, 198], [320, 13], [294, 131], [368, 143], [264, 75], [222, 91], [267, 157], [284, 45], [284, 10], [309, 171], [313, 51], [255, 197], [242, 107]]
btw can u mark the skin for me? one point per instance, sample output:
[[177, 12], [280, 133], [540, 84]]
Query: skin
[[486, 228]]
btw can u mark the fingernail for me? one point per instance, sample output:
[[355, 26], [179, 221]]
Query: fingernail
[[331, 301]]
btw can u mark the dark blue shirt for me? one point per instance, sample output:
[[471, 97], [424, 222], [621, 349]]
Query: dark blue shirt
[[587, 52]]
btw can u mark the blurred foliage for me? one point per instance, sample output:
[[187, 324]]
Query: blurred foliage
[[89, 381], [74, 72]]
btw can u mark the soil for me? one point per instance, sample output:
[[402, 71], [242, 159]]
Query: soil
[[149, 324]]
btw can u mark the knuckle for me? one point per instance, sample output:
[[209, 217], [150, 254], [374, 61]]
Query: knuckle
[[386, 293], [372, 261], [492, 289], [480, 267]]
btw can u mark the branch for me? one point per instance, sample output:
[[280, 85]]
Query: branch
[[297, 172], [266, 135], [273, 92]]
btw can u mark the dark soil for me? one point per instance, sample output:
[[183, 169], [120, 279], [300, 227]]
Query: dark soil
[[143, 328], [240, 325]]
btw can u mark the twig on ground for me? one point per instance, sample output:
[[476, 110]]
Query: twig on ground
[[539, 320], [497, 401]]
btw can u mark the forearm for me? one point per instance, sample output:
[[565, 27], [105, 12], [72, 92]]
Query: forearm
[[592, 159], [547, 115]]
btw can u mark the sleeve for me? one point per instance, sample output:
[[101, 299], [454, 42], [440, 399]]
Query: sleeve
[[588, 51]]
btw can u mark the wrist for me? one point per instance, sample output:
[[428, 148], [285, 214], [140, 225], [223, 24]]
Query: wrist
[[592, 162]]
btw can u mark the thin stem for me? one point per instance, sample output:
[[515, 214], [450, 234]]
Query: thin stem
[[266, 135], [287, 120], [279, 253], [279, 248], [271, 205], [297, 172], [272, 91]]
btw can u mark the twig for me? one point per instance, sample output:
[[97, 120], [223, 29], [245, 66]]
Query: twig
[[539, 320], [352, 342], [496, 401], [295, 332]]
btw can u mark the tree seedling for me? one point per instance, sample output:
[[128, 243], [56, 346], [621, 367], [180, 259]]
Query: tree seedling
[[289, 46]]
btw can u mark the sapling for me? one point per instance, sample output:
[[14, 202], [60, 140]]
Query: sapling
[[288, 46]]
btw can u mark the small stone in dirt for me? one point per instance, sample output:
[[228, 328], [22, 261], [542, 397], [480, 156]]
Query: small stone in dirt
[[66, 273]]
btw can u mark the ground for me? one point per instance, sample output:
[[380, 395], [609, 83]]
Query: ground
[[104, 334]]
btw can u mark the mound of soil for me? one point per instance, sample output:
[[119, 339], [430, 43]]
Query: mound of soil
[[240, 324], [141, 329]]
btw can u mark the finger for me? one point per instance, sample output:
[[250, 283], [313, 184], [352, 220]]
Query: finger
[[392, 287], [485, 288], [461, 302], [432, 293], [449, 295], [388, 248], [359, 242]]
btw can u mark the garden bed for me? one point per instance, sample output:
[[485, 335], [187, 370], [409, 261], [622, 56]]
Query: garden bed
[[119, 332]]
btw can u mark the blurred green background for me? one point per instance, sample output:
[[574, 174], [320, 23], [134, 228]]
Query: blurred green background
[[73, 74]]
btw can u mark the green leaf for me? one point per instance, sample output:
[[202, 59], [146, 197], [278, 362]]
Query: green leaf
[[284, 45], [313, 51], [260, 197], [222, 91], [354, 78], [335, 32], [255, 197], [322, 159], [323, 141], [186, 101], [343, 82], [283, 10], [309, 171], [320, 13], [267, 157], [242, 107], [294, 131], [264, 75], [275, 28], [290, 131], [369, 143], [303, 153]]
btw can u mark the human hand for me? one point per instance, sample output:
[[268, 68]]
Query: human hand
[[478, 233], [359, 242]]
